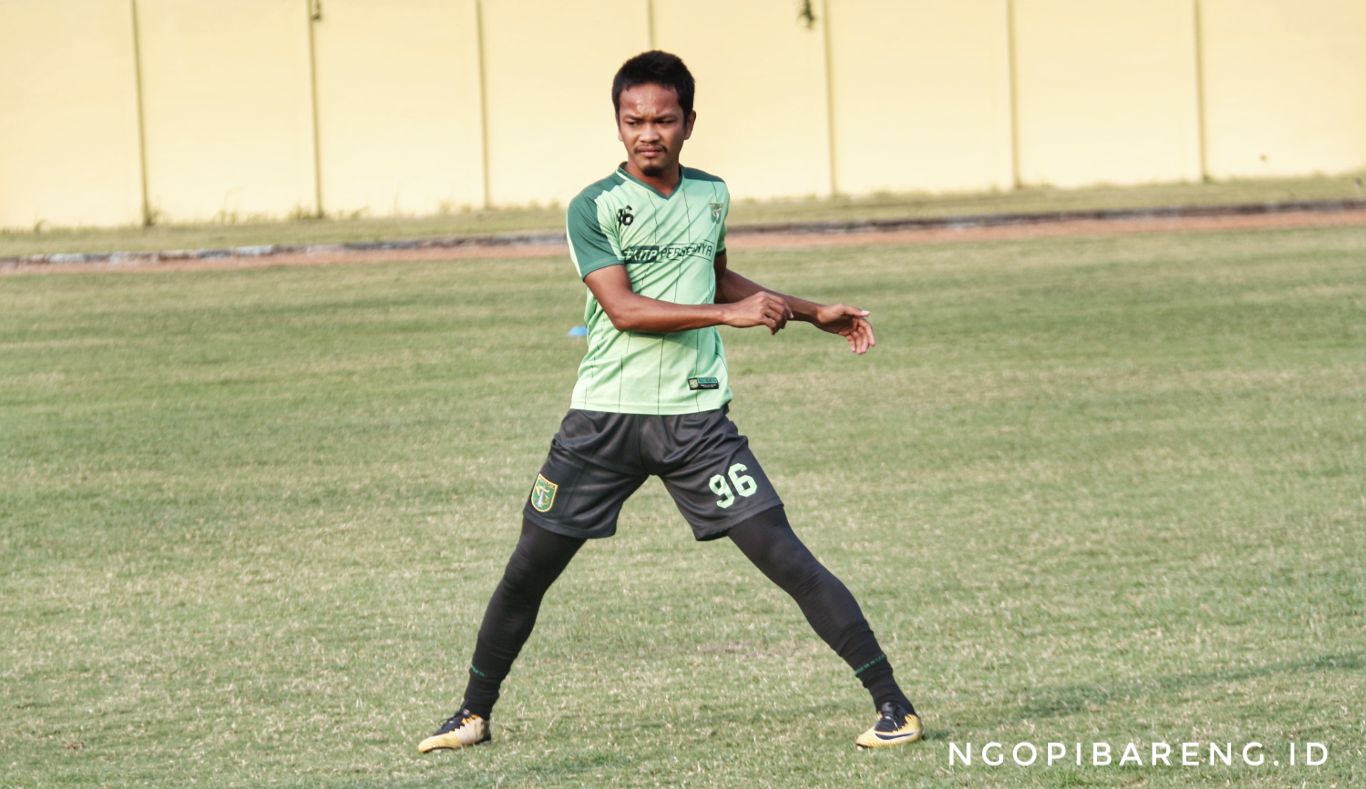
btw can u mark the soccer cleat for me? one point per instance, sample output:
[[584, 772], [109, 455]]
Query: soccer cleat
[[461, 730], [896, 725]]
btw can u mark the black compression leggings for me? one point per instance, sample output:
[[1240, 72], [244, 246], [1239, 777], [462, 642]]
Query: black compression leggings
[[538, 559], [768, 541], [765, 539]]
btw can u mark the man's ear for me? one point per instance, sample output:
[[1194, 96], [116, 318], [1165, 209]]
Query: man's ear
[[687, 130]]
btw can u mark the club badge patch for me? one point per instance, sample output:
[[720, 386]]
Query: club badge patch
[[543, 494], [715, 211]]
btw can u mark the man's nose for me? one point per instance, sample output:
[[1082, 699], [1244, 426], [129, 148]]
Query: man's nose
[[649, 132]]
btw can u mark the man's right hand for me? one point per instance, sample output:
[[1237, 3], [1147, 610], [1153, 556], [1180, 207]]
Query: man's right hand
[[759, 309]]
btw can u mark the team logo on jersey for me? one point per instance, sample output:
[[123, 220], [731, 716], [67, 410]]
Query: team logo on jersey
[[715, 211], [625, 217], [543, 494]]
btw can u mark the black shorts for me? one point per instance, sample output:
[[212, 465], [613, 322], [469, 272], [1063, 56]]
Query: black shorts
[[598, 459]]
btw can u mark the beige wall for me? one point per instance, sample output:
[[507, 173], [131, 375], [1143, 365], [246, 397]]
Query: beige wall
[[227, 107], [424, 106], [1106, 91], [1285, 86], [398, 106], [69, 126], [761, 100], [921, 95], [548, 69]]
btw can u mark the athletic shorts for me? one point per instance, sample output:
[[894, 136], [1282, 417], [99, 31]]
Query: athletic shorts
[[598, 459]]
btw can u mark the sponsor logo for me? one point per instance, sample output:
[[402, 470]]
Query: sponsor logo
[[543, 494], [706, 382], [654, 254]]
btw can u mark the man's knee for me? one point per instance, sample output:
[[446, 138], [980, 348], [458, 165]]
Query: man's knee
[[768, 540], [538, 559], [519, 579]]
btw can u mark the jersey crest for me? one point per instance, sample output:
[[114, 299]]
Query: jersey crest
[[543, 494]]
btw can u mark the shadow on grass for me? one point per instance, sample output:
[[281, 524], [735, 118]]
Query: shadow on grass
[[1070, 699]]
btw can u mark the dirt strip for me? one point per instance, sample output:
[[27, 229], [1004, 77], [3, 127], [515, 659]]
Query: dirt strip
[[738, 239]]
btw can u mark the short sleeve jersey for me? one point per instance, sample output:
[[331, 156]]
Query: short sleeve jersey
[[668, 246]]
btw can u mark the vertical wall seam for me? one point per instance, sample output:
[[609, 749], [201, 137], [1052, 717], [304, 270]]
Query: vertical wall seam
[[483, 102], [147, 217], [650, 23], [1013, 65], [313, 10], [1200, 117], [829, 97]]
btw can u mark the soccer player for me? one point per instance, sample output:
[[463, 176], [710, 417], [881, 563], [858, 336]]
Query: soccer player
[[649, 241]]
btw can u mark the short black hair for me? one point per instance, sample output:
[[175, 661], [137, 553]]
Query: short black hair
[[655, 67]]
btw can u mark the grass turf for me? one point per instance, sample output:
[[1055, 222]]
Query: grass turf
[[550, 219], [1100, 489]]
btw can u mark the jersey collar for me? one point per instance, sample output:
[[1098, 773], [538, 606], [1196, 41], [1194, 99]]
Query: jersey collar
[[682, 176]]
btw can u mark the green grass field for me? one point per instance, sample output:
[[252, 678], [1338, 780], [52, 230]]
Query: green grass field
[[1091, 489]]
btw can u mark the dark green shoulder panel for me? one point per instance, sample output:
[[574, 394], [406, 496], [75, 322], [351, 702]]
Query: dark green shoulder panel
[[589, 246], [700, 175], [596, 188]]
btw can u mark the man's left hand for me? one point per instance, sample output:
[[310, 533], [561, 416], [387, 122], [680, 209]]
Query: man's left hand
[[851, 323]]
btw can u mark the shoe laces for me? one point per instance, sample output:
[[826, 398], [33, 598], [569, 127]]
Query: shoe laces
[[457, 721], [894, 714]]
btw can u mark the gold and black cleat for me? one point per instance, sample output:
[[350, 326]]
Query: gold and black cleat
[[896, 725], [461, 730]]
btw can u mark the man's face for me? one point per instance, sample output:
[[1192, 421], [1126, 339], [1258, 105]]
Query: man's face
[[652, 126]]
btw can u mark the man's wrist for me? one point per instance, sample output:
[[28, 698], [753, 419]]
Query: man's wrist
[[803, 310]]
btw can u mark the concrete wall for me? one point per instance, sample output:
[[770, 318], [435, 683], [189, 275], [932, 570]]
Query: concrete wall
[[920, 95], [193, 110], [227, 108], [1106, 91], [1285, 86], [761, 99], [399, 120], [68, 115], [549, 122]]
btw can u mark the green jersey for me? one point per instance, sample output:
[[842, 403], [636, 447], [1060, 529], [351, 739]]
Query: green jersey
[[668, 246]]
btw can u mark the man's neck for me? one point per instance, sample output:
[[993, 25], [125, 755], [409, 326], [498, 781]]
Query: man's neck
[[664, 183]]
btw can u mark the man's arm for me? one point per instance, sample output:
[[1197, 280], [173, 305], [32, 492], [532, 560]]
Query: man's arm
[[630, 311], [849, 322]]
